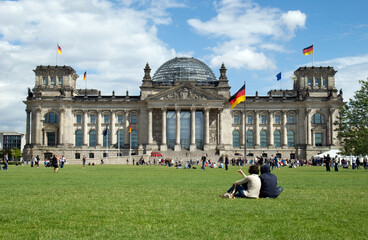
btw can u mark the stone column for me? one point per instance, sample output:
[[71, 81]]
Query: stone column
[[284, 129], [113, 128], [163, 146], [37, 126], [177, 143], [28, 127], [193, 146], [44, 137], [85, 128], [256, 130], [308, 136], [270, 129], [220, 127], [331, 128], [98, 130], [206, 126], [126, 132], [61, 126], [149, 111]]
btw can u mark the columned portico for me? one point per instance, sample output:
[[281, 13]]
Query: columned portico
[[177, 143], [256, 133], [206, 128], [193, 146], [149, 113], [28, 127], [270, 128], [163, 146], [99, 133], [284, 129], [113, 129], [85, 128]]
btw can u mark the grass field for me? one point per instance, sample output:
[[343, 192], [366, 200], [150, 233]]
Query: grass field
[[156, 202]]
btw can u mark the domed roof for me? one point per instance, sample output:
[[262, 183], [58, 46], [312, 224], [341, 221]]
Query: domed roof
[[184, 69]]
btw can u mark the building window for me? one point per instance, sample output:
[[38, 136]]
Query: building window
[[120, 135], [291, 119], [91, 155], [60, 80], [53, 80], [236, 119], [309, 82], [318, 139], [78, 138], [134, 119], [324, 82], [77, 156], [250, 139], [291, 139], [263, 119], [45, 82], [236, 139], [106, 119], [199, 129], [120, 119], [250, 119], [277, 138], [92, 118], [316, 82], [277, 119], [263, 138], [79, 118], [106, 138], [171, 129], [92, 138], [318, 118], [134, 138], [105, 155], [185, 129], [51, 139], [51, 118]]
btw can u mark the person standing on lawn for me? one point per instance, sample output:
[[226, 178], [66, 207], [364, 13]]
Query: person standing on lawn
[[84, 161], [54, 162], [328, 161], [203, 162], [226, 162]]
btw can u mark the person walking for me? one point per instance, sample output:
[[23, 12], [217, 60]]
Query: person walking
[[84, 161], [226, 162], [62, 161], [6, 161], [336, 164], [203, 162], [54, 162], [328, 161]]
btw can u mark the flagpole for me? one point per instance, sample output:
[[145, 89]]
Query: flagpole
[[57, 45], [118, 146], [245, 125]]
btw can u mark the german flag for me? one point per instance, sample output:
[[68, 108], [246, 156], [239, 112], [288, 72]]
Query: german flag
[[59, 49], [130, 129], [85, 76], [308, 50], [237, 97]]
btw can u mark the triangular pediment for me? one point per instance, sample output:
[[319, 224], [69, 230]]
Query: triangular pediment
[[186, 92]]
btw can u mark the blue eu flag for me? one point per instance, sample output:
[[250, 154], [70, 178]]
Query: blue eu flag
[[278, 76]]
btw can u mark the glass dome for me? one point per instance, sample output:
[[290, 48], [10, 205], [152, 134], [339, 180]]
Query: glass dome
[[184, 69]]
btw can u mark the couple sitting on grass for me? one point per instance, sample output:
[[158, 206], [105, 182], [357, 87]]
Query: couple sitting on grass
[[254, 186]]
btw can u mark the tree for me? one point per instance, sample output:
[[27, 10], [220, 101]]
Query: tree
[[352, 124]]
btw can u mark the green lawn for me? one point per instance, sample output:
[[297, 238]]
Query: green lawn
[[156, 202]]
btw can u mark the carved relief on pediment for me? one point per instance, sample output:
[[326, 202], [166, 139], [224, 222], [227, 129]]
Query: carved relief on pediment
[[184, 94]]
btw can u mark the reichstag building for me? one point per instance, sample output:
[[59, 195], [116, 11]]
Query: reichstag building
[[182, 111]]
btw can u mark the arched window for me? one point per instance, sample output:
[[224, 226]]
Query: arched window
[[263, 138], [51, 118], [106, 138], [92, 138], [78, 138], [236, 139], [120, 136], [134, 139], [250, 138], [318, 118], [291, 138], [277, 138]]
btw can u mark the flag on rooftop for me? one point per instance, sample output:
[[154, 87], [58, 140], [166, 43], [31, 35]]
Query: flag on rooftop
[[59, 49], [308, 50], [85, 75], [278, 76], [237, 97]]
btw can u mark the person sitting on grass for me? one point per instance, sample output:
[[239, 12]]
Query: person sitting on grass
[[248, 187], [269, 188]]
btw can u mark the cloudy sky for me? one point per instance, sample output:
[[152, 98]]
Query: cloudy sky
[[113, 40]]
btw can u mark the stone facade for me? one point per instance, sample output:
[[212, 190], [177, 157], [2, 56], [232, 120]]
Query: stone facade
[[180, 111]]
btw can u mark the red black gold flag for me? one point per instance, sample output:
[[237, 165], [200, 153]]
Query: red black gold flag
[[85, 76], [237, 97], [59, 49], [308, 50]]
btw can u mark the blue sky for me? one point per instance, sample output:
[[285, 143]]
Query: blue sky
[[113, 40]]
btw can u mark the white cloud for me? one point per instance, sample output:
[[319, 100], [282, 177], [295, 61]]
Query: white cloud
[[244, 25], [111, 40]]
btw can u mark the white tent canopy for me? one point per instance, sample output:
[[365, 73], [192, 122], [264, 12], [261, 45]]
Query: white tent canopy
[[332, 153]]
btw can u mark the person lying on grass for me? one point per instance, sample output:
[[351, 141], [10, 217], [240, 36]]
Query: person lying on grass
[[248, 187]]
